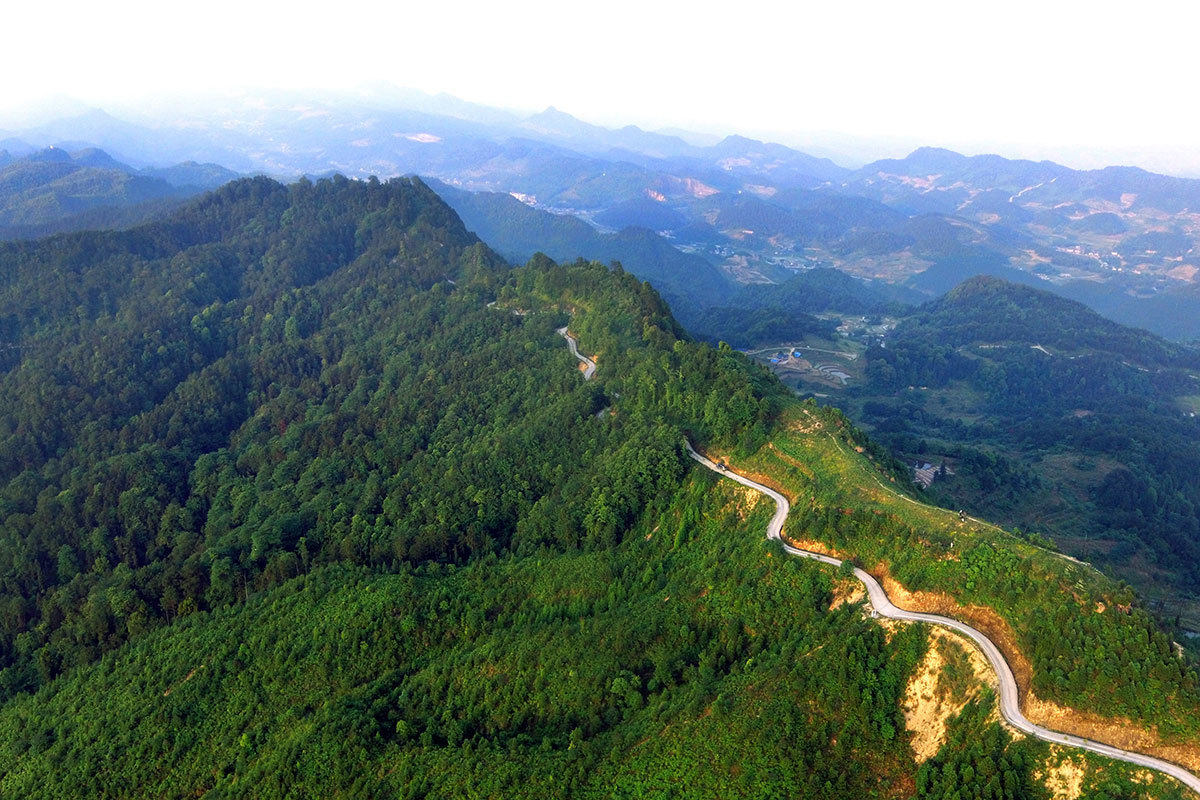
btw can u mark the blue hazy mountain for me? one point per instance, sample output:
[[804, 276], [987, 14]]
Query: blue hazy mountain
[[53, 191], [757, 211]]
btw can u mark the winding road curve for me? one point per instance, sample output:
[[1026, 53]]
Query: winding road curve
[[1010, 706], [589, 366]]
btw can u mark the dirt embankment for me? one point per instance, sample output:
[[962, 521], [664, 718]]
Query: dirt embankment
[[982, 618], [1119, 732], [811, 545], [1123, 733]]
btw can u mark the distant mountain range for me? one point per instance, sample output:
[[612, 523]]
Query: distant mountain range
[[1121, 239], [53, 190]]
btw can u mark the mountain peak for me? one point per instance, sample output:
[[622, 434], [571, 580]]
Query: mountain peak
[[559, 123], [50, 155], [937, 158], [737, 140], [552, 113], [95, 157]]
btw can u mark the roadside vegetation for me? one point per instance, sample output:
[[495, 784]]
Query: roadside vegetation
[[1089, 646]]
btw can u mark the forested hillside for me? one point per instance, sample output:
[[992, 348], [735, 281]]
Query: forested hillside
[[54, 191], [303, 495], [421, 477], [517, 231], [1054, 417]]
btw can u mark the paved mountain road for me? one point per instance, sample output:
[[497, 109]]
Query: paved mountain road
[[589, 366], [1010, 706]]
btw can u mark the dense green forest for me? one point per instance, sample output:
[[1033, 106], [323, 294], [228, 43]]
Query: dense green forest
[[1050, 416], [307, 388], [302, 495], [642, 669]]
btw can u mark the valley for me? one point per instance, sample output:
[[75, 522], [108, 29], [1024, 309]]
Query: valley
[[1120, 239]]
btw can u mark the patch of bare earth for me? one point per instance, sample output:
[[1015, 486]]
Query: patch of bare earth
[[1116, 731], [1064, 780], [744, 500], [846, 593], [1184, 272], [1119, 732], [804, 424], [812, 545], [931, 700]]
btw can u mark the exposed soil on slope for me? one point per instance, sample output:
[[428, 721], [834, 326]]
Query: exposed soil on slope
[[1119, 732], [1116, 731], [930, 701]]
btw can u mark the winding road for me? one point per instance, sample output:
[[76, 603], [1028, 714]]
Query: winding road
[[589, 366], [1010, 706]]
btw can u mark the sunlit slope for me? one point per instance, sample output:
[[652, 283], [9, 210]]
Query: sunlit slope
[[420, 556], [1073, 636]]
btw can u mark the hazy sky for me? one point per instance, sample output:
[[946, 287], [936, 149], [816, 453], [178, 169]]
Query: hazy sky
[[1036, 77]]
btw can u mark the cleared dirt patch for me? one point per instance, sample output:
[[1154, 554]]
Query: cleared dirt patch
[[1064, 780], [1119, 732], [981, 618], [925, 716], [745, 500], [950, 676], [846, 593]]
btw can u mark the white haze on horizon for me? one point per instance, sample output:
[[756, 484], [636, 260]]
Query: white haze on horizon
[[1084, 84]]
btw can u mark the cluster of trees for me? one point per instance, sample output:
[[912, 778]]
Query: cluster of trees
[[981, 761], [146, 463], [1047, 375], [758, 327]]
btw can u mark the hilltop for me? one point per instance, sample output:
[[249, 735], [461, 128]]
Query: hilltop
[[1039, 411], [54, 191]]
